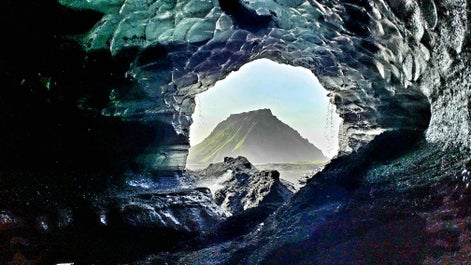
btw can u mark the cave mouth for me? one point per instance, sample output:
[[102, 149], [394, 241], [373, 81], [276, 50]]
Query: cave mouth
[[265, 92]]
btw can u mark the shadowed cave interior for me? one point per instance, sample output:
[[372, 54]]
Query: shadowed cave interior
[[97, 114]]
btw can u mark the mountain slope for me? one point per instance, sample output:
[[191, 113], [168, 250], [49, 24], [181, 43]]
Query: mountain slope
[[258, 135]]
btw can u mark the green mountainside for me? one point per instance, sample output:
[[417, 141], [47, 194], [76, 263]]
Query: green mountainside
[[258, 135]]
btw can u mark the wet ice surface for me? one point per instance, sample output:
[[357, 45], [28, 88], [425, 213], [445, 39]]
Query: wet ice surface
[[164, 183]]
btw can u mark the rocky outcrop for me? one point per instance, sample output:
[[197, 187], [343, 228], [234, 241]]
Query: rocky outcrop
[[190, 210], [237, 185], [111, 228]]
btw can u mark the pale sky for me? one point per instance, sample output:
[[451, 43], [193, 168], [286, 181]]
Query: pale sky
[[293, 94]]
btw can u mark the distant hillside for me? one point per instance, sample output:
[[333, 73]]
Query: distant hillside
[[258, 135]]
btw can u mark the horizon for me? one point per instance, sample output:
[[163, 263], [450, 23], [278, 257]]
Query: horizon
[[261, 84]]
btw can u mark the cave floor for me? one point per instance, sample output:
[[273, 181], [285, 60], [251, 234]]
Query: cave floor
[[414, 209]]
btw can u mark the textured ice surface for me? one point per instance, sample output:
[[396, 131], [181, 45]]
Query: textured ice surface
[[385, 62]]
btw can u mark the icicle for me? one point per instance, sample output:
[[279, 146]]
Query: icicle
[[329, 132]]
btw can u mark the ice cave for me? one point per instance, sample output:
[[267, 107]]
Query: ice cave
[[96, 106]]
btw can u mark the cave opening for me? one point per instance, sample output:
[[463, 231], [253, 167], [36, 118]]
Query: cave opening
[[270, 113]]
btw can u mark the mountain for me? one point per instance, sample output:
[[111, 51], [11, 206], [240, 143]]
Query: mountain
[[258, 135]]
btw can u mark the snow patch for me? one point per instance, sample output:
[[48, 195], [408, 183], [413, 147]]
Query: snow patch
[[216, 184]]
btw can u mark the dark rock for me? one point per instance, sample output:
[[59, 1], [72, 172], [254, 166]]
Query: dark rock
[[184, 211], [237, 185], [8, 221], [273, 174], [244, 16]]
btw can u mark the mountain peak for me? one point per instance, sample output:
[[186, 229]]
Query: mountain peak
[[258, 112], [258, 135], [261, 111]]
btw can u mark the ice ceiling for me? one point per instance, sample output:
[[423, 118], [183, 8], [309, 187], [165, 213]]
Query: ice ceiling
[[389, 64]]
